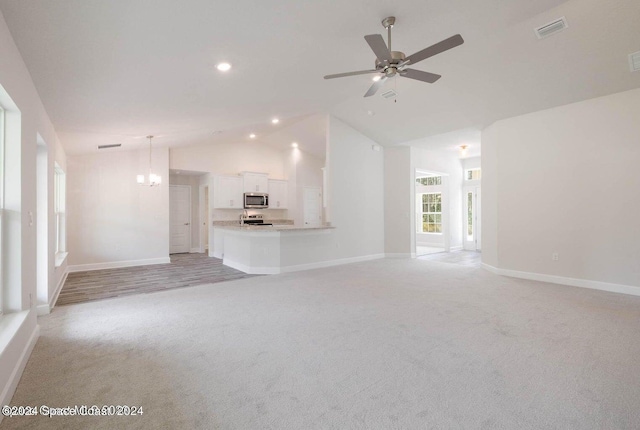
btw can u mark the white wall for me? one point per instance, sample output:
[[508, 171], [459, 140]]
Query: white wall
[[356, 191], [449, 163], [18, 328], [111, 219], [229, 159], [471, 163], [565, 180], [398, 190]]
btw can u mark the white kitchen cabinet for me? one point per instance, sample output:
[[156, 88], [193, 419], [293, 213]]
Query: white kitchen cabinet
[[255, 182], [227, 192], [278, 194]]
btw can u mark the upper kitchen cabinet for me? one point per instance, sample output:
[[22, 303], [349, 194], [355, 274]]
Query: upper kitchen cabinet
[[278, 194], [227, 192], [255, 182]]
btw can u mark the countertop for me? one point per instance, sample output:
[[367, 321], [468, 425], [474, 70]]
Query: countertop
[[270, 228]]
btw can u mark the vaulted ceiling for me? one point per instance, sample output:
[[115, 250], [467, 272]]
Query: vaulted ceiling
[[113, 71]]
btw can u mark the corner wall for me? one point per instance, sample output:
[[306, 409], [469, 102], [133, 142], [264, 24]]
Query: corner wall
[[355, 191], [398, 190], [565, 180]]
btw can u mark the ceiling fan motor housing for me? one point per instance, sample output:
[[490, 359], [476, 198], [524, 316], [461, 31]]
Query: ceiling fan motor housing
[[397, 57]]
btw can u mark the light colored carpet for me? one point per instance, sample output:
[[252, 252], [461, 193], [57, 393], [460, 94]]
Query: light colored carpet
[[461, 257], [386, 344], [426, 250]]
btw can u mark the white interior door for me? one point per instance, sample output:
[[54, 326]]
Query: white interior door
[[180, 218], [204, 217], [312, 205]]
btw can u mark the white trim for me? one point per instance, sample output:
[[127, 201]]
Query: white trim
[[250, 269], [12, 383], [298, 267], [60, 257], [117, 264], [46, 309], [573, 282], [195, 251], [456, 248], [330, 263]]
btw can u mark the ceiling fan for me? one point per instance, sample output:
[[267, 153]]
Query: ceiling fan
[[391, 63]]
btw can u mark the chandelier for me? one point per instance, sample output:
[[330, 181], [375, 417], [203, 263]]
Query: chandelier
[[152, 180]]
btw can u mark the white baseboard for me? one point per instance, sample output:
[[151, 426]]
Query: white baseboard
[[299, 267], [251, 270], [400, 255], [117, 264], [16, 373], [330, 263], [573, 282], [456, 248], [46, 308], [195, 251]]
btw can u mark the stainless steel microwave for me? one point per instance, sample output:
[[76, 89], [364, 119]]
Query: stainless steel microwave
[[256, 200]]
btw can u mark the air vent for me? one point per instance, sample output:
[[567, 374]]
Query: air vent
[[115, 145], [551, 28], [634, 61], [389, 94]]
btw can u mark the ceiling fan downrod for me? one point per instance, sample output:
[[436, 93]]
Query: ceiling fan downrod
[[388, 24]]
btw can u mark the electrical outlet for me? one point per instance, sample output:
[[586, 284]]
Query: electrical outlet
[[555, 256]]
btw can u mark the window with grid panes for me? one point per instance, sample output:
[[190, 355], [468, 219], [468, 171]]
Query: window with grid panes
[[431, 213]]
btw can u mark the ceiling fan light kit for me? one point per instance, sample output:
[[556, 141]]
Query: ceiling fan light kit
[[391, 63]]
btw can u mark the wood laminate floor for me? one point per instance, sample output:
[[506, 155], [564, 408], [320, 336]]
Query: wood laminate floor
[[185, 270]]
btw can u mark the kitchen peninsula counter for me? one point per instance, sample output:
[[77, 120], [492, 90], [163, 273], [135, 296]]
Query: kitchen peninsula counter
[[270, 228], [271, 249]]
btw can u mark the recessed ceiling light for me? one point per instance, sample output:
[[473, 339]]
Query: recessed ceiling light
[[252, 136], [294, 145], [223, 67], [376, 78], [275, 120]]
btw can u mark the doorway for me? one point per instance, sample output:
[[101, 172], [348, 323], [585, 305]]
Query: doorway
[[204, 217], [312, 206], [431, 212], [179, 219]]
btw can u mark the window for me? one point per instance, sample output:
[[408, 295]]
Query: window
[[472, 174], [469, 216], [431, 213], [59, 196], [429, 181]]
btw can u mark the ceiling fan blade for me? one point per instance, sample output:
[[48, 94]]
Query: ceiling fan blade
[[376, 42], [375, 87], [342, 75], [439, 47], [419, 75]]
